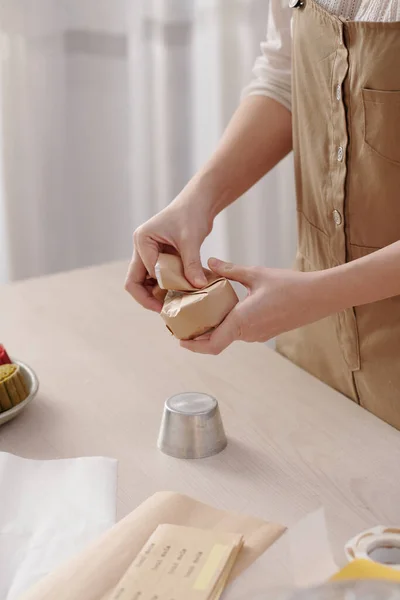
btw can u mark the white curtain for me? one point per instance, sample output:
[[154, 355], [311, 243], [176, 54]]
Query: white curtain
[[107, 107]]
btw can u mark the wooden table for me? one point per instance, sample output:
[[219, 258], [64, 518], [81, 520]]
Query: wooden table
[[106, 366]]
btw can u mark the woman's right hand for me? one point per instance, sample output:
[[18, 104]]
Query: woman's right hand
[[180, 228]]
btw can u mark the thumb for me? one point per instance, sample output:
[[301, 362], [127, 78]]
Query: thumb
[[192, 266], [231, 271]]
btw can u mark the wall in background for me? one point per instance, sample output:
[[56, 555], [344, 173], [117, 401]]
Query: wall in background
[[107, 108]]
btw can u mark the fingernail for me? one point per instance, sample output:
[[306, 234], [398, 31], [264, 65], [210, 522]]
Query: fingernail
[[221, 265], [214, 262], [200, 281]]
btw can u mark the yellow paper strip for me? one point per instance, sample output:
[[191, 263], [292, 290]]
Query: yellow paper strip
[[208, 571]]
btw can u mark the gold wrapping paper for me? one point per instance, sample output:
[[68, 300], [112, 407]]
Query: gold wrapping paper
[[189, 312]]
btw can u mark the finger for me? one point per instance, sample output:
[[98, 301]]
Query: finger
[[243, 275], [135, 284], [193, 268], [148, 251], [205, 336], [157, 292], [220, 339]]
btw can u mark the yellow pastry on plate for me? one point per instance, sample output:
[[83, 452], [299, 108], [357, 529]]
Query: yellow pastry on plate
[[13, 389]]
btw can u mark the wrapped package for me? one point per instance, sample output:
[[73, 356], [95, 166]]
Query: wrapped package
[[189, 312]]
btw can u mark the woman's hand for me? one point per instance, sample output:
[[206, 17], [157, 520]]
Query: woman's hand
[[282, 300], [180, 228], [277, 301], [258, 137]]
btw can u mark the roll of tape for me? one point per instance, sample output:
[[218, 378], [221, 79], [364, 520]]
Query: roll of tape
[[379, 544]]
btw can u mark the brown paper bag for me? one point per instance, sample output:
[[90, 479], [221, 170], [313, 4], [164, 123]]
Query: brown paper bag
[[94, 574], [189, 312]]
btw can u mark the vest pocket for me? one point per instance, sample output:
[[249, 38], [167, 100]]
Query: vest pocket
[[382, 123]]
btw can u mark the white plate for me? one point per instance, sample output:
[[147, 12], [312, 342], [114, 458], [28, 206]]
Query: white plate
[[32, 383]]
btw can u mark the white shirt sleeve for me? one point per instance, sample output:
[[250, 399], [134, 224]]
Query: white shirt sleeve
[[272, 70]]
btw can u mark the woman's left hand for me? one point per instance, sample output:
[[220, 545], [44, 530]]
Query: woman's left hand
[[278, 300]]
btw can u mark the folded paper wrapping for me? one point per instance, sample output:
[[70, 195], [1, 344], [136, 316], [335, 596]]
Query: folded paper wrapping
[[189, 312], [94, 574]]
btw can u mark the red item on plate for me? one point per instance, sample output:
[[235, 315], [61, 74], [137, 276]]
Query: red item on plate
[[4, 358]]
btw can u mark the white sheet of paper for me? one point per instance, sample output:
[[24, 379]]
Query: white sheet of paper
[[301, 558], [311, 552], [49, 510], [255, 583]]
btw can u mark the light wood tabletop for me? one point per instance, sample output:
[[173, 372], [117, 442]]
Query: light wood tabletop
[[106, 366]]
